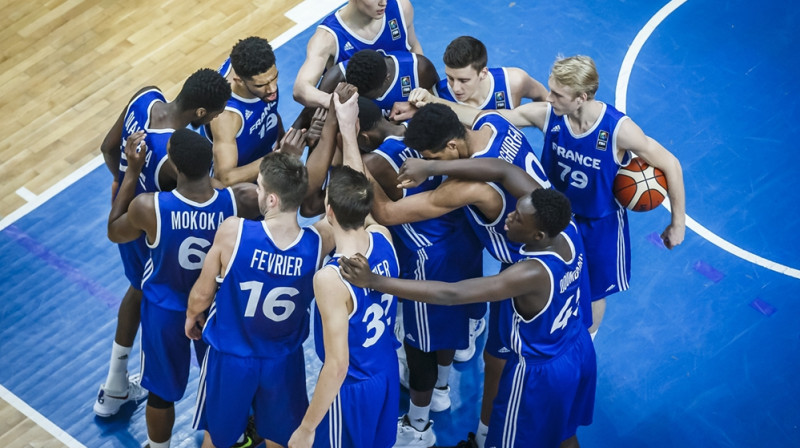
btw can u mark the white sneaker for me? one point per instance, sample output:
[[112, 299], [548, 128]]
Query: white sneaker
[[108, 403], [440, 401], [476, 327], [403, 363], [410, 437]]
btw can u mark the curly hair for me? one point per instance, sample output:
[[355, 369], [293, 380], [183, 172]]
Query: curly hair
[[465, 51], [191, 153], [368, 114], [350, 196], [205, 88], [553, 210], [252, 56], [366, 70], [432, 127]]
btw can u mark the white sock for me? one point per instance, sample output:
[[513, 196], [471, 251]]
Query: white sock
[[480, 434], [419, 416], [152, 444], [593, 334], [444, 376], [117, 379]]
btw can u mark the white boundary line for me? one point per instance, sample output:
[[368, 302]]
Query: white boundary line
[[39, 419], [621, 103], [305, 14]]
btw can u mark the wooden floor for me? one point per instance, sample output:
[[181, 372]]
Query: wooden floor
[[68, 68]]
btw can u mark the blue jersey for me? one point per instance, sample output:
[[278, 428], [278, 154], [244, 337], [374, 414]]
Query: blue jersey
[[371, 323], [406, 79], [261, 307], [584, 166], [154, 160], [391, 37], [137, 118], [507, 143], [258, 133], [428, 243], [556, 326], [184, 231], [499, 96]]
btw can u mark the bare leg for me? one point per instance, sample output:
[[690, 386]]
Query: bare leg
[[160, 423], [572, 442], [491, 382], [128, 317], [598, 311]]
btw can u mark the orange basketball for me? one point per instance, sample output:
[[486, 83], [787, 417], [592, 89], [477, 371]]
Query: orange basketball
[[640, 187]]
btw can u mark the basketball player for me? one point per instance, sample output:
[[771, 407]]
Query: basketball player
[[434, 249], [355, 400], [200, 100], [250, 126], [259, 317], [179, 226], [586, 141], [469, 81], [386, 25], [547, 388]]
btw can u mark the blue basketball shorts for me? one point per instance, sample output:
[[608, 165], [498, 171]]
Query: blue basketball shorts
[[229, 384], [134, 255], [607, 242]]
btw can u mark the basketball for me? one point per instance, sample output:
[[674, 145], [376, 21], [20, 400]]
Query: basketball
[[640, 187]]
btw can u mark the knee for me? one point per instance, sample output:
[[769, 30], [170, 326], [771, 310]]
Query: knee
[[156, 402]]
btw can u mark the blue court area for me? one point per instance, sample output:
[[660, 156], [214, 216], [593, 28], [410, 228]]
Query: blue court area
[[702, 351]]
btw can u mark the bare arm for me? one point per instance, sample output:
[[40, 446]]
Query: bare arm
[[520, 279], [110, 146], [121, 228], [631, 138], [204, 289], [426, 73], [320, 51], [334, 304], [226, 153], [524, 86], [246, 200], [384, 174], [408, 13]]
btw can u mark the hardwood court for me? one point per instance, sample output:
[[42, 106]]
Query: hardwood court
[[68, 67]]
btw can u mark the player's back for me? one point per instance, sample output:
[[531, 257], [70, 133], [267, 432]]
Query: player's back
[[371, 337], [184, 232], [583, 166], [498, 97], [555, 328], [261, 307], [137, 118], [156, 140], [391, 37]]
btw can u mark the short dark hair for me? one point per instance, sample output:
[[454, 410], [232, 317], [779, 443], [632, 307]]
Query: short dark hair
[[432, 127], [205, 88], [368, 113], [252, 56], [464, 51], [191, 153], [553, 210], [350, 196], [366, 70], [286, 176]]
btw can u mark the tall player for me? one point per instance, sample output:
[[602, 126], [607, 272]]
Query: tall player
[[259, 317], [548, 385], [179, 226], [586, 141], [250, 127], [200, 100], [355, 400], [386, 25]]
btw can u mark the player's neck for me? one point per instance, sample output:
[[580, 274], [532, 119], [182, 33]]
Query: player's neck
[[197, 190], [585, 116], [169, 116], [558, 245], [389, 129], [351, 242], [390, 75], [283, 226], [356, 20], [476, 141], [481, 93]]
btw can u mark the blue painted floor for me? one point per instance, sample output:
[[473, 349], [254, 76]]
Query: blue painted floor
[[703, 351]]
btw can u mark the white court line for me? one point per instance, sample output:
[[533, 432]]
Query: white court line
[[621, 103], [26, 194], [39, 419], [305, 14]]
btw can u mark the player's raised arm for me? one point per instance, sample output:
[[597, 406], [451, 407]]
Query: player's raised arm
[[632, 138], [121, 228], [319, 56]]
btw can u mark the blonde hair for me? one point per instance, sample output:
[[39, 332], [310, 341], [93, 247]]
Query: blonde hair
[[578, 73]]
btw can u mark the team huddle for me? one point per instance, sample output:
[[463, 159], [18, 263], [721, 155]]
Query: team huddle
[[407, 179]]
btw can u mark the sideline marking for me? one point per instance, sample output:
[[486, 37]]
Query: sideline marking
[[61, 435], [621, 98]]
